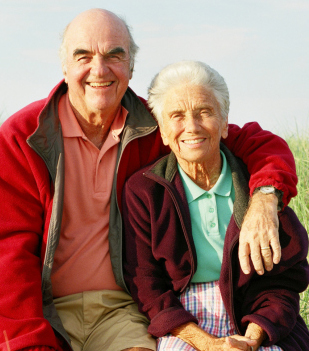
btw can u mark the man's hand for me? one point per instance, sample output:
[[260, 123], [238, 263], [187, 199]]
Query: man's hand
[[259, 236]]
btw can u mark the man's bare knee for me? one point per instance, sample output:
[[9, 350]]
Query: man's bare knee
[[137, 349]]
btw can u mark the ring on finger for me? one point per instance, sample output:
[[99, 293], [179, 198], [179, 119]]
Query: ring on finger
[[265, 248]]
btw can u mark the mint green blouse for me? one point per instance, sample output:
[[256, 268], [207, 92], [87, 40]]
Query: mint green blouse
[[210, 212]]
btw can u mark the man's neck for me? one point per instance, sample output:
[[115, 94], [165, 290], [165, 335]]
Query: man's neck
[[96, 127]]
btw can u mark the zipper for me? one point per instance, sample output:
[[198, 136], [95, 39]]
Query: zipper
[[234, 242]]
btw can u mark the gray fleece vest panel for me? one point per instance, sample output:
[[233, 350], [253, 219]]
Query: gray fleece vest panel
[[47, 142]]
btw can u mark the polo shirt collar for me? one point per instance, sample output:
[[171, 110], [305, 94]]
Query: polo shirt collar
[[71, 127], [222, 187]]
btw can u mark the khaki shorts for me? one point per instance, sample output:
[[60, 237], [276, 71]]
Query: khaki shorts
[[105, 320]]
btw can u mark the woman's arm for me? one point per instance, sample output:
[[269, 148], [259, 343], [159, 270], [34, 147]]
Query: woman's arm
[[148, 253], [255, 332], [272, 300]]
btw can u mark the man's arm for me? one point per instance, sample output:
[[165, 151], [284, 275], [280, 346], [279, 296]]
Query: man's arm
[[22, 219], [270, 162]]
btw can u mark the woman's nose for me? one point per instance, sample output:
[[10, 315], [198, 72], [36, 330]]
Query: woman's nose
[[192, 124]]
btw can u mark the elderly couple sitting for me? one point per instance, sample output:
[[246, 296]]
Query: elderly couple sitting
[[182, 217]]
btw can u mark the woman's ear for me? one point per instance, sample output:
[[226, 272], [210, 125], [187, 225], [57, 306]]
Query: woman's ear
[[225, 129], [163, 136]]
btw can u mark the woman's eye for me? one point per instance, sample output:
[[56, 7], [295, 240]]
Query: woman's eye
[[206, 113], [176, 117]]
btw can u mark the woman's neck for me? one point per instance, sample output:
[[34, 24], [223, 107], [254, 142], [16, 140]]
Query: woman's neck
[[203, 174]]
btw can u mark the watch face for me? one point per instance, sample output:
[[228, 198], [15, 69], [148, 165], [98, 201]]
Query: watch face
[[267, 189]]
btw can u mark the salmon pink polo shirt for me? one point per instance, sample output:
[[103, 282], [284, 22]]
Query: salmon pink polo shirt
[[82, 259]]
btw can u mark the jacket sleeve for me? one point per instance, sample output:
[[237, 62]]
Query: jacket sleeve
[[22, 220], [267, 156], [272, 300], [145, 275]]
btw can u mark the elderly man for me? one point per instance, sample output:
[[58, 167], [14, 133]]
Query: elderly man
[[64, 161]]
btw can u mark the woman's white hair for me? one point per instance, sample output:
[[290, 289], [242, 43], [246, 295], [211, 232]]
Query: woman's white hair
[[187, 72]]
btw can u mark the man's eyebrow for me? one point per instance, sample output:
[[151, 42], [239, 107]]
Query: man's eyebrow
[[78, 52], [116, 50]]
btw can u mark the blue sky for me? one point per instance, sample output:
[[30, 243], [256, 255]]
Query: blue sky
[[260, 47]]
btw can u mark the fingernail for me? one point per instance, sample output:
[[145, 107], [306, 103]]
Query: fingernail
[[246, 271]]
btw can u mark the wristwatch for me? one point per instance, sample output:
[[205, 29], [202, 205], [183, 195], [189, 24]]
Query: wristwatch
[[269, 189]]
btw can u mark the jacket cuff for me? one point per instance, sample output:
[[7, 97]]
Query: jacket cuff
[[286, 196], [169, 319]]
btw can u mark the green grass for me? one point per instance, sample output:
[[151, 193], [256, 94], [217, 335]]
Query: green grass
[[299, 145]]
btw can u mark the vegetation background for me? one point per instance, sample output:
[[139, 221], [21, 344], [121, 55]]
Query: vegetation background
[[299, 145]]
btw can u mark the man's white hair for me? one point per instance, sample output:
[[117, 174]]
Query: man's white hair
[[133, 48], [187, 72]]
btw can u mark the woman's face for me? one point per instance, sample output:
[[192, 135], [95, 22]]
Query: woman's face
[[192, 124]]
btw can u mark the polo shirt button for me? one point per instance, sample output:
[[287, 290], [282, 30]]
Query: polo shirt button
[[211, 210], [212, 225], [209, 196]]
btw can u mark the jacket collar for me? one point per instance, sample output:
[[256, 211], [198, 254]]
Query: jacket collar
[[166, 168], [47, 139]]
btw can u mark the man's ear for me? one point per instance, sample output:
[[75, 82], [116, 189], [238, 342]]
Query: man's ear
[[64, 72], [131, 72]]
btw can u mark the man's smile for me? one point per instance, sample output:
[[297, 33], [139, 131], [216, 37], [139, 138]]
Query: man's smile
[[98, 85]]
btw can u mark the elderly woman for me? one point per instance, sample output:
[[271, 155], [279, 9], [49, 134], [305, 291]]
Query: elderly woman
[[182, 218]]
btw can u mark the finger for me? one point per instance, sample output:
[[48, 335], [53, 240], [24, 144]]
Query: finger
[[236, 344], [256, 258], [243, 255], [267, 257], [276, 248]]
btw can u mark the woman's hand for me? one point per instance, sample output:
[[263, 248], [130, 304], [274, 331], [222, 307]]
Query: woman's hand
[[255, 332], [202, 341]]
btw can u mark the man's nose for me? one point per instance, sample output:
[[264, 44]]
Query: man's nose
[[99, 66]]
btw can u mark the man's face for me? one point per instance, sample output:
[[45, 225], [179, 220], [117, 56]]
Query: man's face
[[98, 63]]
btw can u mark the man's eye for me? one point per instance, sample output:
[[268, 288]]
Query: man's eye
[[84, 58], [113, 58]]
